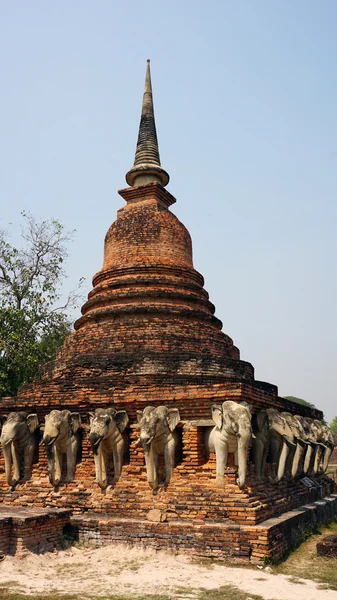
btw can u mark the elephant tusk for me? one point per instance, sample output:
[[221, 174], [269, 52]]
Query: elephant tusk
[[150, 440], [137, 441], [8, 442], [51, 441], [98, 441]]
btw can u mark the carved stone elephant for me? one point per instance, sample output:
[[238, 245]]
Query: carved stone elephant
[[282, 444], [314, 450], [310, 438], [107, 439], [329, 443], [294, 467], [260, 446], [323, 448], [232, 433], [19, 440], [158, 438], [62, 438]]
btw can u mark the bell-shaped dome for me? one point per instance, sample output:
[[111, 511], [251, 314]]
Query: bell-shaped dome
[[148, 312]]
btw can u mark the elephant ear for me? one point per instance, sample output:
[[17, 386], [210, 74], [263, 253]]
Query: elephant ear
[[145, 413], [173, 418], [122, 419], [217, 415], [262, 420], [249, 406], [75, 421], [32, 422]]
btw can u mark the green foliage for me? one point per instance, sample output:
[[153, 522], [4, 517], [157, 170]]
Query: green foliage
[[32, 326], [333, 426], [299, 401], [304, 403], [305, 563]]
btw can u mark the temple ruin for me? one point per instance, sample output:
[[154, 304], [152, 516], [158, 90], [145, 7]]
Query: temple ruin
[[148, 428]]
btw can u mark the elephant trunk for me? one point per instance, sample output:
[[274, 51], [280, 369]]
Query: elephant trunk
[[101, 466], [242, 460], [297, 459], [326, 459], [7, 450], [317, 459], [95, 440], [48, 440], [50, 456], [308, 459], [151, 470]]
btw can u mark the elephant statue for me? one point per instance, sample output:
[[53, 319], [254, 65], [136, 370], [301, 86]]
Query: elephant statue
[[310, 437], [19, 441], [107, 438], [282, 444], [314, 449], [260, 428], [232, 433], [295, 462], [62, 437], [329, 443], [324, 447], [158, 438]]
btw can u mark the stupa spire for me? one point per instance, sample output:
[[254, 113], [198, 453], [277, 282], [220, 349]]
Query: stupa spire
[[147, 167]]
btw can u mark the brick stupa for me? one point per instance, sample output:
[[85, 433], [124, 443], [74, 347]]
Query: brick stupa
[[148, 336]]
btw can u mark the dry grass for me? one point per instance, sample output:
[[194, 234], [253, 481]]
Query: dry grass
[[226, 592], [305, 563]]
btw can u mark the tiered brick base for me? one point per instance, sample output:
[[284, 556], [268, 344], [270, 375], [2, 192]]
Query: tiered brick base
[[34, 530], [271, 539], [192, 504]]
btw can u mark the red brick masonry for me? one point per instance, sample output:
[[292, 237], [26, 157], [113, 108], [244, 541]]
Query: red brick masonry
[[148, 336]]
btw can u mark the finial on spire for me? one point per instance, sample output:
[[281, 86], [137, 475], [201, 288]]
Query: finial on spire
[[147, 167]]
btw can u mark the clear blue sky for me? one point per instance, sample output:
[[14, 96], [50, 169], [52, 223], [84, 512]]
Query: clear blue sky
[[245, 97]]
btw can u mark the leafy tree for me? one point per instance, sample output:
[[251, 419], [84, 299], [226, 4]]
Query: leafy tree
[[299, 401], [32, 326], [304, 403], [333, 426]]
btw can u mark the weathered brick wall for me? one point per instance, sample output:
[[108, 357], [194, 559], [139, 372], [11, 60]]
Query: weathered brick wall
[[34, 531], [191, 495], [226, 540]]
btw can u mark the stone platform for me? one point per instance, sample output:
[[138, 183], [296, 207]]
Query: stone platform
[[31, 529], [271, 539]]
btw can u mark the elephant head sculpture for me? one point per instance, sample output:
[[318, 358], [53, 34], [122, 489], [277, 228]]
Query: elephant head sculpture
[[61, 438], [282, 443], [107, 439], [158, 438], [313, 453], [295, 466], [310, 437], [19, 440], [329, 443], [232, 433], [260, 427], [324, 447]]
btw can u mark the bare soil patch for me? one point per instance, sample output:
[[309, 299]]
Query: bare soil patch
[[133, 573]]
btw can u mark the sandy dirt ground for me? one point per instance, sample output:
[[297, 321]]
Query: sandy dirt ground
[[134, 571]]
